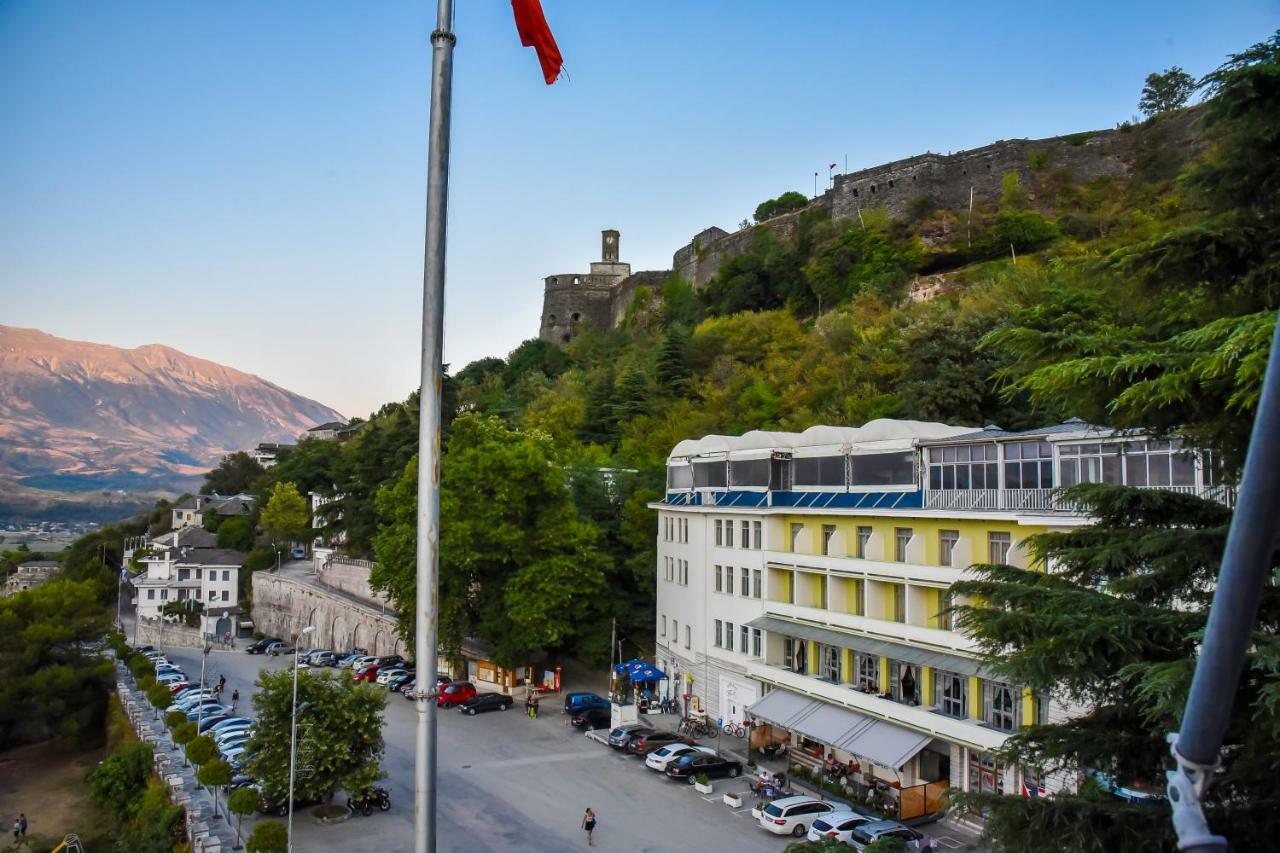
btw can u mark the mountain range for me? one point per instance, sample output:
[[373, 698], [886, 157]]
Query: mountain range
[[85, 417]]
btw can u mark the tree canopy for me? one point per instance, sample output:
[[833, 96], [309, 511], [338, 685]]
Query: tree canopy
[[285, 518], [1166, 91], [235, 474]]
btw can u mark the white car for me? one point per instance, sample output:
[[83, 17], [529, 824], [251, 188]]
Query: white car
[[170, 677], [367, 660], [793, 815], [228, 735], [387, 675], [232, 754], [837, 826], [661, 757]]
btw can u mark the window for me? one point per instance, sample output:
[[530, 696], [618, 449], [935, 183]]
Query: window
[[664, 626], [869, 673], [719, 532], [1088, 463], [212, 595], [883, 469], [864, 538], [199, 573], [899, 602], [946, 618], [151, 595], [947, 541], [796, 530], [666, 529], [831, 663], [684, 530], [901, 539], [728, 636], [675, 630], [1158, 463], [226, 574], [184, 574], [818, 471], [746, 640], [749, 472], [964, 466], [794, 654], [719, 633], [679, 477], [1000, 708], [719, 580], [952, 693], [688, 637], [998, 546], [164, 595], [906, 683], [226, 595], [728, 533], [757, 586], [828, 533], [858, 593], [986, 776], [709, 475], [1028, 465], [684, 572], [746, 582], [756, 642], [756, 535], [728, 579]]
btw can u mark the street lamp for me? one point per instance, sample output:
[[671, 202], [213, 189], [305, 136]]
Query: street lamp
[[200, 708], [293, 730]]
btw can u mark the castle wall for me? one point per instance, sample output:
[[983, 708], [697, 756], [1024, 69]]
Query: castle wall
[[652, 279], [700, 260], [567, 307]]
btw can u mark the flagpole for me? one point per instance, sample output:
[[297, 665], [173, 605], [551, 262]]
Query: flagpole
[[428, 547]]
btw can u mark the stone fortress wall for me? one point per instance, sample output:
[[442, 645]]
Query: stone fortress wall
[[946, 179]]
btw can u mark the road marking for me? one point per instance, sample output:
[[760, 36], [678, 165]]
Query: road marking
[[948, 841]]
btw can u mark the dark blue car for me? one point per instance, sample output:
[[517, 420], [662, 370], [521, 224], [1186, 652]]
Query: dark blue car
[[576, 703]]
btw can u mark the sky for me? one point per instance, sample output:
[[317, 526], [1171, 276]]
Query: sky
[[245, 181]]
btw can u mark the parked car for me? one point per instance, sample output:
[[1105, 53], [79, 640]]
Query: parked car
[[258, 647], [240, 780], [392, 661], [142, 650], [485, 702], [389, 672], [178, 686], [207, 723], [282, 808], [645, 744], [324, 658], [366, 673], [231, 723], [593, 718], [861, 836], [694, 764], [351, 657], [395, 682], [199, 712], [575, 702], [621, 736], [455, 693], [309, 655], [406, 689], [279, 647], [793, 815], [298, 554], [664, 755], [233, 737], [837, 825], [170, 678]]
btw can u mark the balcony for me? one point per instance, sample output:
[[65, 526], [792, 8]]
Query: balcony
[[1045, 500], [967, 733]]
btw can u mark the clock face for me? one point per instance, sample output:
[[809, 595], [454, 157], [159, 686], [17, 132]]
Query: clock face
[[609, 240]]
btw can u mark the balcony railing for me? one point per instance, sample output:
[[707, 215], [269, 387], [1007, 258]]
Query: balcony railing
[[1046, 500]]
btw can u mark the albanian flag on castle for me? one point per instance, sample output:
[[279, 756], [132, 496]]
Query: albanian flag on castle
[[531, 24]]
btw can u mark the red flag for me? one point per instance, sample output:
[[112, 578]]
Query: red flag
[[531, 24]]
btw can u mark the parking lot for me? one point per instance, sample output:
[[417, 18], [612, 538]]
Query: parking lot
[[509, 782]]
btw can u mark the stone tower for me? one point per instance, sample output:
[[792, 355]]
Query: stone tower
[[609, 246], [571, 301]]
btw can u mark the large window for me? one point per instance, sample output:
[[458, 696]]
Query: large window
[[709, 475], [1001, 706], [883, 469], [869, 673], [1088, 463], [831, 663], [720, 578], [719, 532], [728, 636], [899, 603], [1028, 465], [680, 477], [746, 582], [998, 547], [728, 533], [728, 579], [947, 541], [756, 534], [756, 642], [946, 617], [796, 530], [818, 471], [758, 587], [719, 634], [1158, 463], [828, 533], [864, 537], [901, 539], [664, 626], [906, 683], [951, 694], [749, 472], [964, 466]]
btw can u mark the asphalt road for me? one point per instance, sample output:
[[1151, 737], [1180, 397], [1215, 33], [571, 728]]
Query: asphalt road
[[511, 783]]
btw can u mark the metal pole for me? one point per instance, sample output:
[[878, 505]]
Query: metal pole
[[293, 744], [426, 637], [1245, 568]]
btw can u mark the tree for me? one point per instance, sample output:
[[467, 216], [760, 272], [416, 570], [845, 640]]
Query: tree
[[285, 517], [154, 824], [518, 567], [117, 782], [785, 203], [1128, 597], [51, 684], [673, 360], [236, 534], [213, 776], [201, 750], [235, 474], [240, 802], [267, 837], [339, 735], [173, 719], [184, 733], [1167, 91], [887, 844]]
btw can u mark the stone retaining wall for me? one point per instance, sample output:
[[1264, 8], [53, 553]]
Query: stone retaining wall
[[282, 605]]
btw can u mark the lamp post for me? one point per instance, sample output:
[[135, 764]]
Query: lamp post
[[293, 731], [204, 657]]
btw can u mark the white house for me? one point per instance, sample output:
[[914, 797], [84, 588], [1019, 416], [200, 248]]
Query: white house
[[210, 576], [191, 510]]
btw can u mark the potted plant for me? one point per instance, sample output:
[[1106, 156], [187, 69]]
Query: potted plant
[[733, 801], [702, 783]]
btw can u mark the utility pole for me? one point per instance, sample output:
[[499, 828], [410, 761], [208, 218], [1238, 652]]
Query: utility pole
[[427, 605], [815, 184]]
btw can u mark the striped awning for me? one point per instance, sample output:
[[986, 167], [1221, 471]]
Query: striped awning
[[878, 741], [958, 664]]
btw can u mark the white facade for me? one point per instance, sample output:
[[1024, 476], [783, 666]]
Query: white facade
[[210, 576]]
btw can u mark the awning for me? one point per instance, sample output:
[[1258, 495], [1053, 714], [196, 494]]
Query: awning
[[958, 664], [881, 742]]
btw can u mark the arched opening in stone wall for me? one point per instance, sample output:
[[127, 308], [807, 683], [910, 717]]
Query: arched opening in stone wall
[[359, 637], [379, 644], [551, 318], [341, 634], [855, 192], [873, 189], [576, 280], [576, 317]]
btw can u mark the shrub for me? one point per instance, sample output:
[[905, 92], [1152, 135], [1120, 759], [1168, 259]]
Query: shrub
[[117, 782], [267, 837], [1077, 138], [1023, 229]]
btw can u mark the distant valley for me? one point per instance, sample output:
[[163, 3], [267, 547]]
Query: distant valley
[[90, 431]]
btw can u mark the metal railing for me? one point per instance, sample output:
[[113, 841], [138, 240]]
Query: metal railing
[[1046, 500]]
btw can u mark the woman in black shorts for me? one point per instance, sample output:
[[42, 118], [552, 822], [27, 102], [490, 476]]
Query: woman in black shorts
[[589, 824]]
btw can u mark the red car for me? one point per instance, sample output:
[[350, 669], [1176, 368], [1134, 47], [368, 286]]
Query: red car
[[455, 693], [367, 673], [178, 685]]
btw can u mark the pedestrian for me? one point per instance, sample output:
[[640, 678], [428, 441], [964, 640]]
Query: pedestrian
[[23, 817], [534, 710], [222, 683], [235, 699], [589, 824], [17, 828]]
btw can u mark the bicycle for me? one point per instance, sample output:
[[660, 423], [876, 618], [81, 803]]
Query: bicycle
[[734, 730]]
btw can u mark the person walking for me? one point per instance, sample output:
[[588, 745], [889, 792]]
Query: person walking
[[23, 818], [533, 709], [235, 699], [588, 823], [222, 683], [17, 828]]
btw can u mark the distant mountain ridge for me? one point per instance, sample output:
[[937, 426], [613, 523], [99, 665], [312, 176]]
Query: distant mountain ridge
[[78, 416]]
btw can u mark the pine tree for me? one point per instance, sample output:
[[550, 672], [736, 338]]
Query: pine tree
[[673, 361]]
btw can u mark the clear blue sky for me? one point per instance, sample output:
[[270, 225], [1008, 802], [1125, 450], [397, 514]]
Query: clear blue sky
[[244, 180]]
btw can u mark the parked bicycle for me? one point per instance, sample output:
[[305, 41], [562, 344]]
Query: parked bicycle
[[734, 729], [694, 727]]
